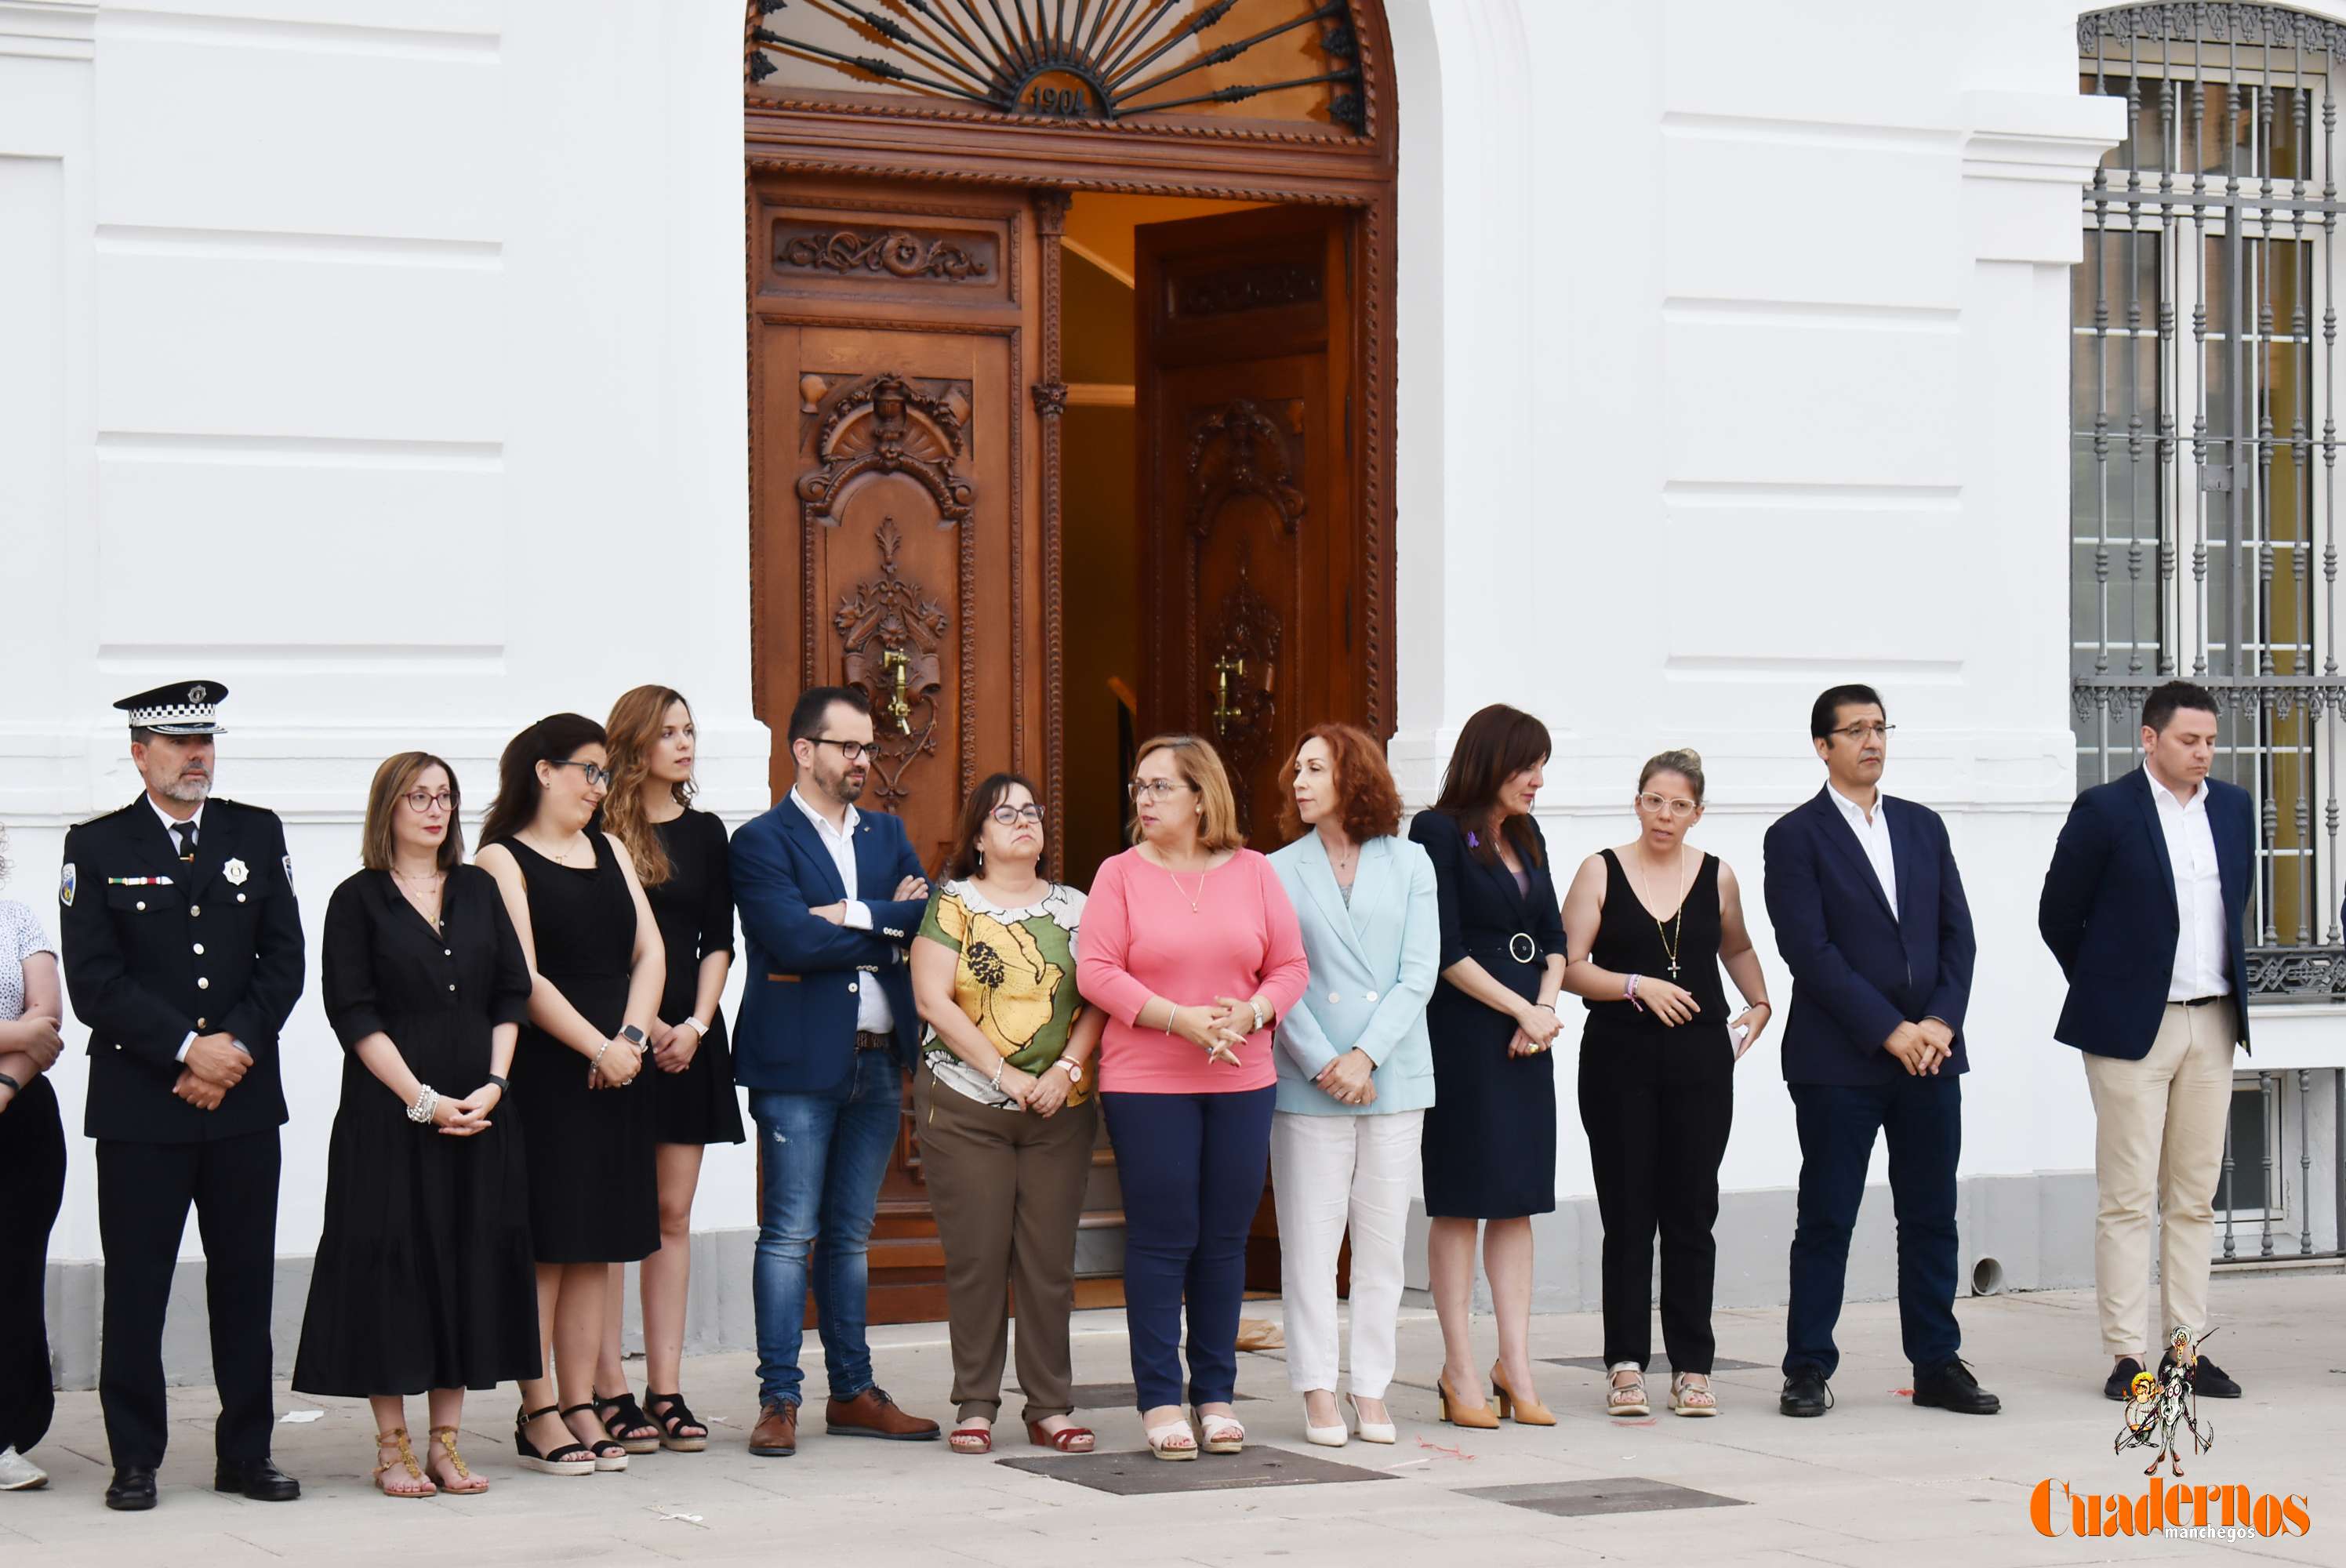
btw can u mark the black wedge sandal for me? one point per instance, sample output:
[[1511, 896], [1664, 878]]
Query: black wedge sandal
[[620, 1414], [570, 1459], [673, 1421], [610, 1454]]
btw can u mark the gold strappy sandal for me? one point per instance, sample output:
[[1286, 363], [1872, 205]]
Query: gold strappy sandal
[[473, 1484], [396, 1438]]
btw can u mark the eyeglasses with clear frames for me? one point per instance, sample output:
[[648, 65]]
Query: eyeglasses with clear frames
[[1011, 816], [1862, 733], [1157, 789], [1660, 805], [419, 802]]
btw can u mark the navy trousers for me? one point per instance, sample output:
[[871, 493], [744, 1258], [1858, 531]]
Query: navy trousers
[[1923, 1118], [1192, 1168]]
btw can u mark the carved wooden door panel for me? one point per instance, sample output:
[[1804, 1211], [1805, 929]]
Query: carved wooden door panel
[[1254, 544], [895, 534]]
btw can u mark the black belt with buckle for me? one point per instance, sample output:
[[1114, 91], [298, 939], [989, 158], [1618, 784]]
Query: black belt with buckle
[[2204, 1001], [867, 1041], [1519, 947]]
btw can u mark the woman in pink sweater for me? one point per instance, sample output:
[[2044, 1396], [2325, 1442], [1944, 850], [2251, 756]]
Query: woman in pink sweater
[[1192, 951]]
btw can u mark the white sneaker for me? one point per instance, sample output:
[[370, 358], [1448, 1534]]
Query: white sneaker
[[18, 1474]]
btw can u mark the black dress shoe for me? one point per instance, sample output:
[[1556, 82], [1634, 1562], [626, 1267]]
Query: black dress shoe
[[256, 1479], [2208, 1379], [133, 1489], [1953, 1388], [1805, 1394], [2120, 1386]]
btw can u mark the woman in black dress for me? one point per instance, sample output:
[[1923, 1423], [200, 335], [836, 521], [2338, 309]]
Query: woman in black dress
[[1489, 1148], [423, 1279], [680, 855], [597, 969], [1651, 922]]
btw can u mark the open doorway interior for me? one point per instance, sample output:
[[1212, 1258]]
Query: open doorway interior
[[1101, 537]]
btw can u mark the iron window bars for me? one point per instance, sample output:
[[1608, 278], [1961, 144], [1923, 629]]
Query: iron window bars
[[1071, 59], [2204, 442]]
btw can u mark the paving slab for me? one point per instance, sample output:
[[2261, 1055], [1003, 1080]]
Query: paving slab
[[1876, 1481]]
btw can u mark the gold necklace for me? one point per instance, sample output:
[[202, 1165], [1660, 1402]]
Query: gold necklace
[[1185, 892], [1674, 933], [561, 859]]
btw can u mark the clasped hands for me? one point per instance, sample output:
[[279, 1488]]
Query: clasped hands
[[1921, 1048], [911, 888], [1349, 1079], [462, 1118], [1536, 1027], [1219, 1030], [214, 1064]]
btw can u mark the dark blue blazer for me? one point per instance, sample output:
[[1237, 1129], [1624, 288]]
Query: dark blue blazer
[[1858, 968], [2108, 911], [796, 1030]]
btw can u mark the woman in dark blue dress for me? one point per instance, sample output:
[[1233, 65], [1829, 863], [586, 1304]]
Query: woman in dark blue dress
[[1489, 1148]]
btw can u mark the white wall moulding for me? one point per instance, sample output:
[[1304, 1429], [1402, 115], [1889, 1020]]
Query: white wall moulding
[[48, 30], [273, 245]]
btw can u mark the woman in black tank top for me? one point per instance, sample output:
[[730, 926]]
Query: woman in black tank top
[[1649, 926]]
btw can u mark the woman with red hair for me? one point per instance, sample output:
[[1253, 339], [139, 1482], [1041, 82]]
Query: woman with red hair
[[1355, 1068]]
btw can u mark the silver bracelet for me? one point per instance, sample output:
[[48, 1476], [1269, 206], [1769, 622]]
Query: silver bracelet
[[426, 1098], [1261, 1018], [596, 1064]]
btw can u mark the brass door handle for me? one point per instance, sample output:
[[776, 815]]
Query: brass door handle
[[1224, 710], [895, 669]]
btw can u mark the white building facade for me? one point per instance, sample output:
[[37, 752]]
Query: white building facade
[[386, 365]]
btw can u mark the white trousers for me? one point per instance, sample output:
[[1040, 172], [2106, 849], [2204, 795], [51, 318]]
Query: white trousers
[[1324, 1172], [2158, 1154]]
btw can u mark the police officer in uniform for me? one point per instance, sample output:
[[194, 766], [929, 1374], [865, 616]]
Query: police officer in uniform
[[183, 956]]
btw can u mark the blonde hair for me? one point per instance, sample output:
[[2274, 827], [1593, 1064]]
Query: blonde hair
[[632, 729], [1683, 760], [392, 781], [1200, 768]]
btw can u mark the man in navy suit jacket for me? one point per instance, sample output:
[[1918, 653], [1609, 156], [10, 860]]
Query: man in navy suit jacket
[[2143, 906], [830, 898], [1870, 918]]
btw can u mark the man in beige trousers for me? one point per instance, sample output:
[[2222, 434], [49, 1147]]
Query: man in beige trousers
[[2143, 906]]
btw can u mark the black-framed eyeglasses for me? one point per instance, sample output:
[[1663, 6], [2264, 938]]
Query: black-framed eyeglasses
[[851, 751], [419, 802], [1157, 788], [1011, 816], [597, 776], [1862, 733]]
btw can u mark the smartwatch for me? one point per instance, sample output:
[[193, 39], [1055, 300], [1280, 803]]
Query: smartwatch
[[632, 1034]]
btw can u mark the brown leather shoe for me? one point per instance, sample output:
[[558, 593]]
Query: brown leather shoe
[[776, 1435], [872, 1413]]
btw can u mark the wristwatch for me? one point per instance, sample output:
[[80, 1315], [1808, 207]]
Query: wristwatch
[[632, 1034], [1075, 1069]]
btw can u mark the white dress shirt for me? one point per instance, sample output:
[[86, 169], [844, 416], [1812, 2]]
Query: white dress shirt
[[170, 823], [873, 1014], [1872, 830], [2200, 955]]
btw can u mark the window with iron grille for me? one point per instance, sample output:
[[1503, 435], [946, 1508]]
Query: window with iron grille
[[2203, 446]]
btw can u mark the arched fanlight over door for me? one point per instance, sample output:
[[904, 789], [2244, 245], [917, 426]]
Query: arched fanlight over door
[[1075, 59]]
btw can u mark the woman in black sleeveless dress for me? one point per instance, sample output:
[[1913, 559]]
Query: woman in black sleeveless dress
[[598, 968], [1650, 923], [682, 856]]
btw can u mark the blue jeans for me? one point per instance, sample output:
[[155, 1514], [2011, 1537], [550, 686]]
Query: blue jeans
[[1923, 1118], [1191, 1167], [824, 1158]]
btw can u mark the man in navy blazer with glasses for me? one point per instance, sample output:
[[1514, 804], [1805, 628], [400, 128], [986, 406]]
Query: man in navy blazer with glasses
[[2143, 906], [1870, 918], [830, 898]]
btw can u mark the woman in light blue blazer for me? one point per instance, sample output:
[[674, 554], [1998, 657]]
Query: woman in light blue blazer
[[1355, 1069]]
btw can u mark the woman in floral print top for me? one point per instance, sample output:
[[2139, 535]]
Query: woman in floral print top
[[1005, 1111]]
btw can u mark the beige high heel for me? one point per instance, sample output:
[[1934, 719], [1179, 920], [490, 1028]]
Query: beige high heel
[[1458, 1413], [1526, 1412]]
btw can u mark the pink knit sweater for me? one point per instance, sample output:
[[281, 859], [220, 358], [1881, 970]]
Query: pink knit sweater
[[1141, 940]]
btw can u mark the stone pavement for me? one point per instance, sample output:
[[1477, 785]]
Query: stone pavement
[[1876, 1482]]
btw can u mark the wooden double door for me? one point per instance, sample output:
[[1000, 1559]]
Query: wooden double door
[[910, 527]]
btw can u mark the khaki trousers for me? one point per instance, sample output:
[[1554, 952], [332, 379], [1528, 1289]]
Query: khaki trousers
[[2159, 1150], [1008, 1189]]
